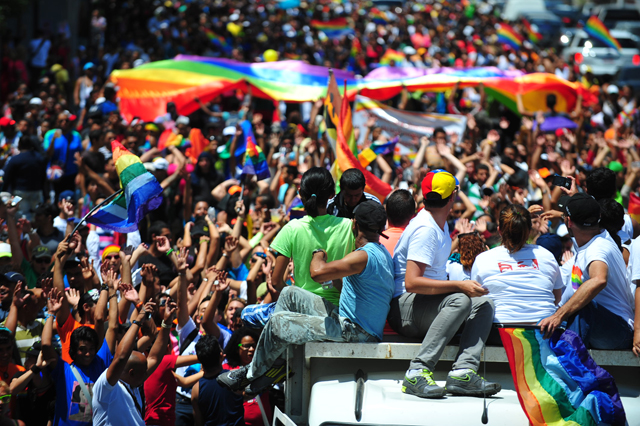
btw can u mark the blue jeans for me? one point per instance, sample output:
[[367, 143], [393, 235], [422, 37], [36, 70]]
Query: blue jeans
[[256, 316], [599, 328], [184, 412]]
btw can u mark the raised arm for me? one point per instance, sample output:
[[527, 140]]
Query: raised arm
[[162, 340], [111, 280], [61, 256], [123, 352], [219, 285], [54, 304]]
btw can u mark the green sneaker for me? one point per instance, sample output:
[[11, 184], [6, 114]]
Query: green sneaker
[[423, 386], [471, 384]]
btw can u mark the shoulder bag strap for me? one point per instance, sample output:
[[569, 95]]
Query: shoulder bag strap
[[83, 385]]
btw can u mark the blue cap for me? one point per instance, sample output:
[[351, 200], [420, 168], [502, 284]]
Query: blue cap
[[551, 242], [15, 277], [67, 195], [88, 65]]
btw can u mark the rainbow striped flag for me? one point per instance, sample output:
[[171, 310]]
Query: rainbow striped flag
[[255, 163], [217, 40], [141, 194], [335, 28], [557, 381], [596, 29], [534, 36], [296, 209], [634, 206], [376, 148], [392, 55], [379, 16], [507, 35]]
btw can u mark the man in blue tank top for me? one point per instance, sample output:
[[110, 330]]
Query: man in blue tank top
[[301, 316]]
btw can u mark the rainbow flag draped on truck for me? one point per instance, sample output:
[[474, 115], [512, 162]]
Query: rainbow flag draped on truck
[[141, 194], [557, 381]]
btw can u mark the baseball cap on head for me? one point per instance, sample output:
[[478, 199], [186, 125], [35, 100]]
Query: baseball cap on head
[[371, 215], [583, 210], [67, 195], [41, 252], [5, 121], [438, 184], [5, 250]]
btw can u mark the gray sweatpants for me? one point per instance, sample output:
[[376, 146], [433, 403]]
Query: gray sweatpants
[[300, 317], [437, 319]]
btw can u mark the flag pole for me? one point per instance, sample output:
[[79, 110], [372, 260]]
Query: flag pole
[[106, 200]]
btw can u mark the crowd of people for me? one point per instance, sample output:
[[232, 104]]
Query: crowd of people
[[185, 320]]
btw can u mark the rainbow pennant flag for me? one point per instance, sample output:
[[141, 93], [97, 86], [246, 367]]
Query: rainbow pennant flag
[[596, 29], [534, 36], [335, 28], [376, 148], [392, 55], [255, 163], [217, 40], [141, 194], [634, 206], [379, 17], [557, 381], [507, 35]]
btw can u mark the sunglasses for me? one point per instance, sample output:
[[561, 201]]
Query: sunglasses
[[246, 347], [111, 257], [458, 211], [43, 260], [5, 399]]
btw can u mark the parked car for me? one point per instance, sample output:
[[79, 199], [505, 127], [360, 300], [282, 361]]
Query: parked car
[[611, 15], [602, 59], [547, 24], [629, 76]]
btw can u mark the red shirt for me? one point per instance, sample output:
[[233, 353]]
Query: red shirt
[[252, 414], [160, 394]]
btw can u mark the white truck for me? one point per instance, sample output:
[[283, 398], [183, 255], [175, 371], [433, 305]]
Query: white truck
[[337, 384]]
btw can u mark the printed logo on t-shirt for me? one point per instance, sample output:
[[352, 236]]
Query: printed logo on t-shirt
[[520, 264], [80, 408], [576, 277]]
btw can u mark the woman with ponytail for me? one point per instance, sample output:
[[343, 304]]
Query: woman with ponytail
[[317, 230], [523, 280]]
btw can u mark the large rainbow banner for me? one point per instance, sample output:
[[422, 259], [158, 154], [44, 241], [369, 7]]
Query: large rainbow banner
[[557, 381], [145, 90]]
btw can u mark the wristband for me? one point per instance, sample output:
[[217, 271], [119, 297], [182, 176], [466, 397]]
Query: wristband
[[139, 306], [205, 279], [104, 287], [169, 252], [165, 325], [136, 322], [48, 315], [225, 255]]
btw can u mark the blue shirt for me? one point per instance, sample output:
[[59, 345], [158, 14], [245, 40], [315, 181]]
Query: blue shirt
[[366, 297], [72, 408], [64, 149]]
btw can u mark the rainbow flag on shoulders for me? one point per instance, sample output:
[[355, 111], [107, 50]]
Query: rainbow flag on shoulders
[[507, 35], [557, 381], [596, 29], [141, 194], [255, 163], [335, 28]]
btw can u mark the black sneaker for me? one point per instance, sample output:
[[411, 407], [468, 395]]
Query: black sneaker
[[234, 379], [471, 384], [423, 386], [276, 374]]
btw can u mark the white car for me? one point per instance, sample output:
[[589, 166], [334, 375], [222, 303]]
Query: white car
[[600, 58]]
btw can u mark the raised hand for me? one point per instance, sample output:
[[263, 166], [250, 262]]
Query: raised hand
[[230, 244], [129, 293], [162, 244], [181, 260], [54, 302], [87, 269], [212, 273], [169, 311], [19, 296], [463, 226], [566, 168], [148, 273], [46, 284], [73, 297], [67, 208], [240, 208], [220, 283]]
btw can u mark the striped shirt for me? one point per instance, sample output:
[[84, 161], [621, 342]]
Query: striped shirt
[[27, 336]]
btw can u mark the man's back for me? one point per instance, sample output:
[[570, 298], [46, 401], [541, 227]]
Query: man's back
[[218, 405], [366, 297], [116, 405]]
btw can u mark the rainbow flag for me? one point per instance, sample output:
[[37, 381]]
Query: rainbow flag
[[634, 206], [392, 55], [534, 36], [217, 40], [557, 381], [507, 35], [255, 163], [376, 148], [596, 29], [379, 16], [296, 209], [141, 194], [335, 28]]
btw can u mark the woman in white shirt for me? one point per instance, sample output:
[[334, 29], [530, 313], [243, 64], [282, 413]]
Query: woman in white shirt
[[523, 279]]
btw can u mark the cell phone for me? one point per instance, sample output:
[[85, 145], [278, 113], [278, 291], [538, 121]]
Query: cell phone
[[16, 200], [488, 191], [561, 181]]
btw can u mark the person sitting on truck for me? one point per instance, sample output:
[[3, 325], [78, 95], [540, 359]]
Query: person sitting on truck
[[301, 316], [427, 305], [597, 302], [524, 280]]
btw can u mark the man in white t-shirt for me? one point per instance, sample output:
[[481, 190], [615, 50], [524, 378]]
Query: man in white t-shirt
[[116, 393], [597, 303], [427, 305]]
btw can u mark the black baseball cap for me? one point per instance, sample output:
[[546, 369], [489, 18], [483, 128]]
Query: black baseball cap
[[583, 210], [372, 216], [200, 227], [41, 252]]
